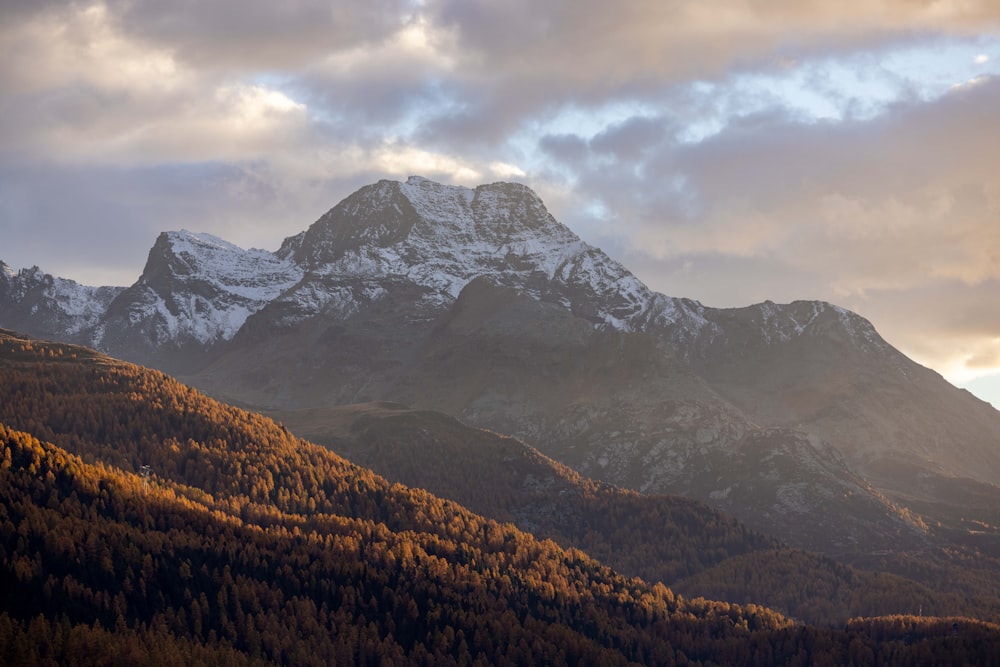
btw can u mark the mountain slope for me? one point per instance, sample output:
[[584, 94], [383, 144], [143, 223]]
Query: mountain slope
[[621, 407], [39, 303], [248, 546], [660, 538], [240, 516], [656, 537]]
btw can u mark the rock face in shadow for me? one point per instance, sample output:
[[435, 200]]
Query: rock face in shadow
[[623, 408]]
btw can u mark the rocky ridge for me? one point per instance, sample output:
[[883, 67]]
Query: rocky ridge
[[38, 303]]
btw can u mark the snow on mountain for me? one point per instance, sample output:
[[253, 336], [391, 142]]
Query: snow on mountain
[[768, 325], [85, 305], [198, 288], [255, 275], [782, 323], [431, 237], [442, 236], [37, 301]]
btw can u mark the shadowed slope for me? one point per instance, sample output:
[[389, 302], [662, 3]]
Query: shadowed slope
[[655, 536]]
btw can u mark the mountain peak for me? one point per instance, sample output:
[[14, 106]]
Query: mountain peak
[[38, 303], [440, 237], [195, 288], [390, 213], [377, 215]]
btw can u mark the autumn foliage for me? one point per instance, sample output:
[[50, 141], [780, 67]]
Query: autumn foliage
[[248, 546]]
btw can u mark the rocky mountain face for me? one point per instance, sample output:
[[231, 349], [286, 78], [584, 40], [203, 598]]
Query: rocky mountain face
[[194, 294], [799, 419], [624, 408], [658, 537], [38, 303]]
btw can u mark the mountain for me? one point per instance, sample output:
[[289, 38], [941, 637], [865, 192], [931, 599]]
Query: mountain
[[623, 408], [440, 237], [36, 302], [799, 419], [243, 545], [195, 293], [826, 370]]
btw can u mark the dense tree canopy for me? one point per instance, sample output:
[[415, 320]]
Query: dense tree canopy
[[248, 546]]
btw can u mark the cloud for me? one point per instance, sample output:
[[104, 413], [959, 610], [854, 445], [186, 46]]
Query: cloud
[[593, 44], [895, 216], [917, 182], [727, 151], [949, 325], [255, 34], [77, 89]]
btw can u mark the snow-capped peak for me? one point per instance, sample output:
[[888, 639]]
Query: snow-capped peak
[[443, 236], [200, 288], [252, 274], [769, 324], [51, 303], [787, 321]]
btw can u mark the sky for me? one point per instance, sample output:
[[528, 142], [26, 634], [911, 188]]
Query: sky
[[729, 151]]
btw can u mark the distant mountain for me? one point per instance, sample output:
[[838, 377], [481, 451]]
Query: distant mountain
[[622, 407], [194, 294], [244, 545], [38, 303], [822, 369], [799, 419]]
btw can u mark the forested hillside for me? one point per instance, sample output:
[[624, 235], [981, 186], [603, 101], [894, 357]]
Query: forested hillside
[[246, 545], [678, 541], [659, 537]]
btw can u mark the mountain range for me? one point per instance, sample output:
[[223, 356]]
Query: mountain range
[[797, 419]]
